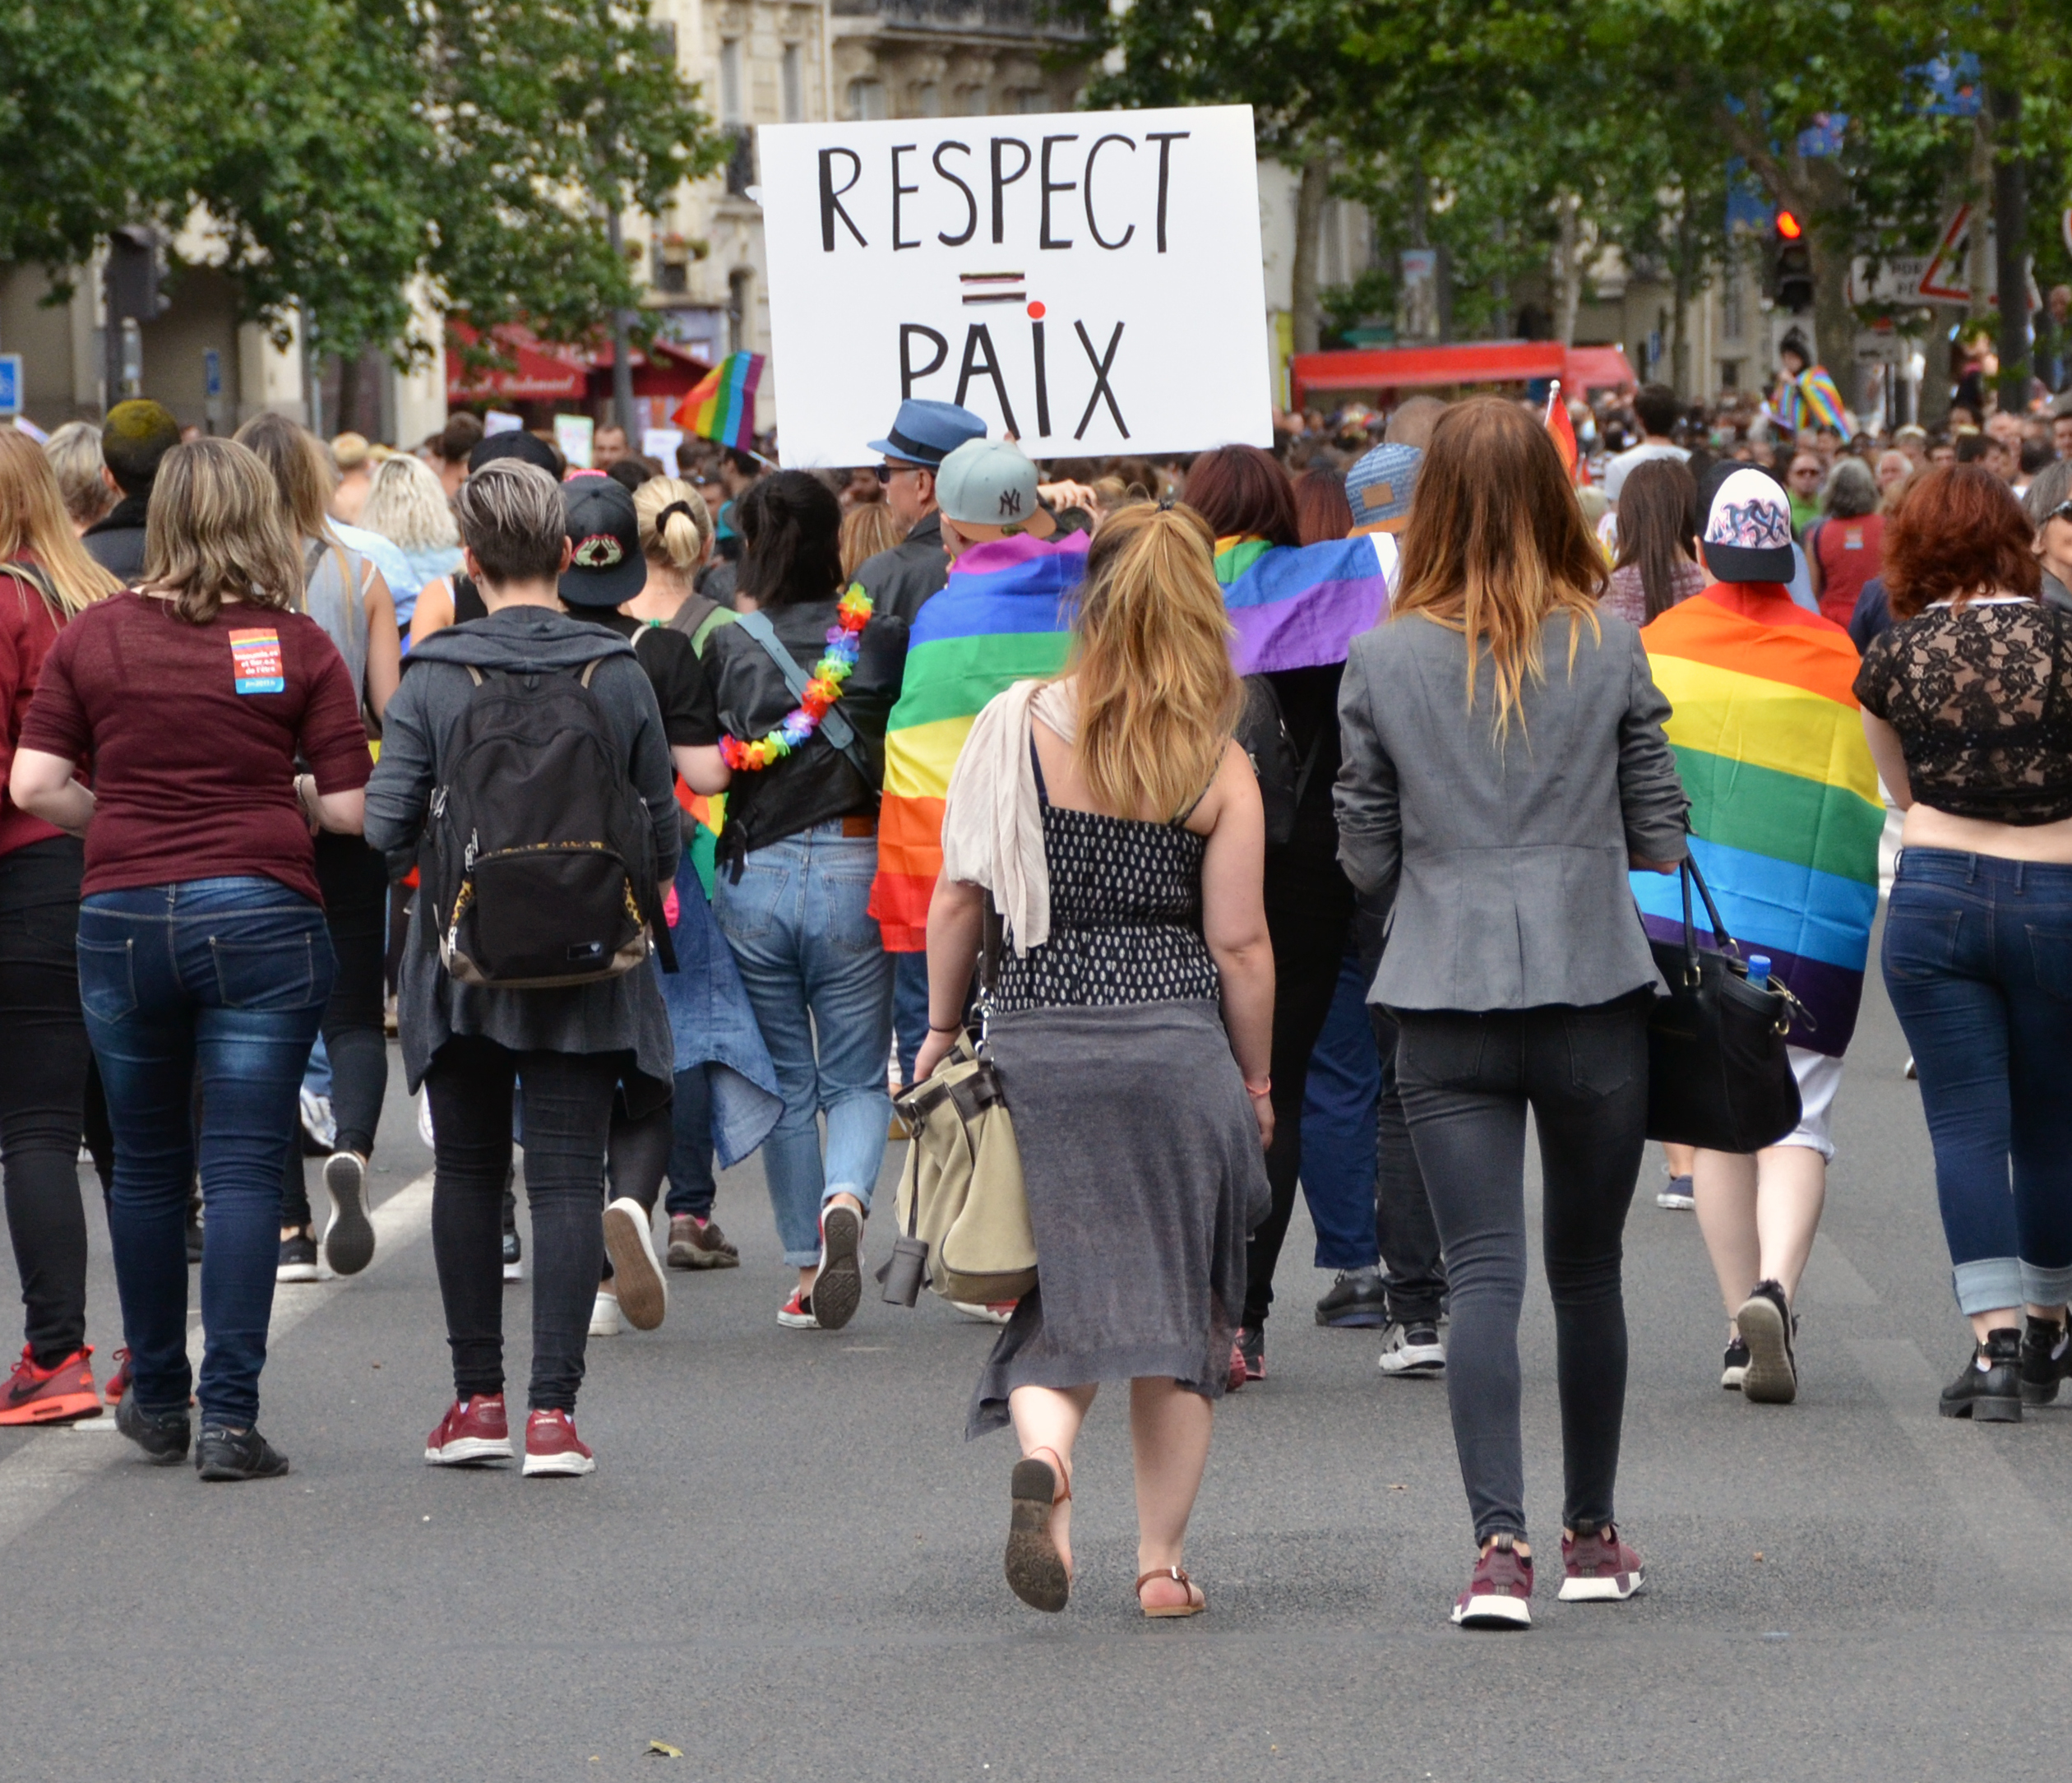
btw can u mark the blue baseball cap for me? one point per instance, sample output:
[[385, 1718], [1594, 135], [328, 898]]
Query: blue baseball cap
[[1379, 486], [927, 432]]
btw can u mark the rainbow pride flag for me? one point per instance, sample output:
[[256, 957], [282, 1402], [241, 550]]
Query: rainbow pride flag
[[1785, 809], [1301, 606], [722, 407], [1004, 616]]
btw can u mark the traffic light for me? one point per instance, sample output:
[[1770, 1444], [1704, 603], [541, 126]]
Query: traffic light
[[1791, 263]]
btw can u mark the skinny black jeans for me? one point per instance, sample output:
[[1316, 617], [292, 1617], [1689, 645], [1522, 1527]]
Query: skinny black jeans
[[1309, 904], [44, 1066], [1467, 1078], [567, 1114], [354, 882]]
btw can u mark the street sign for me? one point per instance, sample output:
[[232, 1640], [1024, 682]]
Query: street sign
[[211, 373], [1938, 277], [10, 385]]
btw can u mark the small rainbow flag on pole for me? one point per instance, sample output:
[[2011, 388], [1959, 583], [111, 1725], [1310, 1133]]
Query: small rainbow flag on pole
[[1563, 430], [722, 407]]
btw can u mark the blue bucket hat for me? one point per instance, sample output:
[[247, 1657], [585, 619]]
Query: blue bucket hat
[[1379, 486], [927, 432]]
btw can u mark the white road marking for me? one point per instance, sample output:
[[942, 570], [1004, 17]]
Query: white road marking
[[54, 1464]]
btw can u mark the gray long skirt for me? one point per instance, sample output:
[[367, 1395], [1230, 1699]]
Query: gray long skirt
[[1141, 1159]]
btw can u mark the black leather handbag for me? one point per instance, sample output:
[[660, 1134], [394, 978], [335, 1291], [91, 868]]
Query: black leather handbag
[[1718, 1075]]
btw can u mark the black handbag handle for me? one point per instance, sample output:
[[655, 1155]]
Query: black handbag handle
[[1688, 874]]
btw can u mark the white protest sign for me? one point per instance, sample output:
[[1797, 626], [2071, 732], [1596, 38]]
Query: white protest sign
[[1089, 281]]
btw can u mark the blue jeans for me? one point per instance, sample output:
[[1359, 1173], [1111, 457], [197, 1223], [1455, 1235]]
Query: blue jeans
[[692, 1188], [820, 981], [1339, 1099], [1978, 965], [228, 979], [910, 1010]]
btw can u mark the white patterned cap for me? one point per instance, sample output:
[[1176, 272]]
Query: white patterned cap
[[1748, 530]]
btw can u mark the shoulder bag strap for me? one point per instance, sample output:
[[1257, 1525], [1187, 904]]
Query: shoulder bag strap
[[836, 729]]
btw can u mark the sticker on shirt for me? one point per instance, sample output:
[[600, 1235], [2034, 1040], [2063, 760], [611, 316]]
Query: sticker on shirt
[[1853, 539], [255, 662]]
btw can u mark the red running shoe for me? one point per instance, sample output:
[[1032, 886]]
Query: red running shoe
[[119, 1380], [474, 1431], [553, 1446], [1237, 1378], [63, 1394], [1499, 1592], [1601, 1568]]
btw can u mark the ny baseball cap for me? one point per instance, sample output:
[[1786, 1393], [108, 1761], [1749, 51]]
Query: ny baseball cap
[[990, 483], [1378, 487], [1748, 530], [608, 569]]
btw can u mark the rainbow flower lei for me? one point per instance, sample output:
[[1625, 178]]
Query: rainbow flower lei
[[823, 690]]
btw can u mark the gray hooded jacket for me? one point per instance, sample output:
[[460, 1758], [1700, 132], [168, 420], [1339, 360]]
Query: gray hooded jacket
[[622, 1014]]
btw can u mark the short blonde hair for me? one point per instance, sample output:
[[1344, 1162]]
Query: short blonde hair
[[349, 451], [217, 529], [676, 526], [75, 454]]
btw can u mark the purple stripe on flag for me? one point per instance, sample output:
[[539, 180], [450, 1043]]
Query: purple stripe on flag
[[1832, 993], [1314, 628]]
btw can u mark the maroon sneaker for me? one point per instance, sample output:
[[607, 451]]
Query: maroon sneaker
[[1235, 1378], [553, 1446], [474, 1431], [1601, 1568], [1499, 1594]]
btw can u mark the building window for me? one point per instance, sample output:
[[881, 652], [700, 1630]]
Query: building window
[[1730, 374], [971, 102], [928, 100], [1731, 320], [741, 295], [794, 83], [741, 162], [734, 103], [866, 101], [1030, 98]]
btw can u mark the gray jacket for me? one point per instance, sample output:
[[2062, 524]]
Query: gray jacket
[[1502, 866], [899, 581], [624, 1013]]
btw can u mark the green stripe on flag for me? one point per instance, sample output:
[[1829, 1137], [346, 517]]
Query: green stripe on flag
[[1783, 817], [954, 676]]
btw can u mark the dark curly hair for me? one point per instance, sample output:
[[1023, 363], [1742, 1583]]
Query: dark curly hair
[[1959, 532]]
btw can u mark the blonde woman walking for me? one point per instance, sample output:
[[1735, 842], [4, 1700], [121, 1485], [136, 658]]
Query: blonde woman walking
[[1117, 828]]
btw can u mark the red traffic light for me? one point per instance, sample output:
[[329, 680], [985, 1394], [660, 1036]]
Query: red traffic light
[[1788, 226]]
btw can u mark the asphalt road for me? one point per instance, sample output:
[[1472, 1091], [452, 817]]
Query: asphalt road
[[787, 1562]]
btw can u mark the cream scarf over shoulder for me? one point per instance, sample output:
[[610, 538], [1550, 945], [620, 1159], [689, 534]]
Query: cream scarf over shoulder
[[993, 822]]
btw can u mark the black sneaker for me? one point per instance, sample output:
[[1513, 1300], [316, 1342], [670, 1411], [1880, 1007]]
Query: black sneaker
[[2046, 1358], [1251, 1346], [1413, 1350], [514, 1254], [1989, 1391], [1357, 1301], [194, 1231], [1765, 1323], [224, 1454], [1733, 1366], [164, 1436], [298, 1259]]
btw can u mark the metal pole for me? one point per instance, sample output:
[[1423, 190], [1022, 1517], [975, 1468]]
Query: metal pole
[[621, 346]]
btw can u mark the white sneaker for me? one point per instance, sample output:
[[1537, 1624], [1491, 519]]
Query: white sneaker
[[1413, 1350], [605, 1316], [636, 1272], [985, 1314]]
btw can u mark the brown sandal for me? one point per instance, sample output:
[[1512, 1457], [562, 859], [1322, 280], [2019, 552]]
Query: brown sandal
[[1036, 1571], [1196, 1600]]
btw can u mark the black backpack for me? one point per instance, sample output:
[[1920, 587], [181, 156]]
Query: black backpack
[[540, 851], [1262, 734]]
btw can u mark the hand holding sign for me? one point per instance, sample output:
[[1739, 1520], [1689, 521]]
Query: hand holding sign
[[1089, 282]]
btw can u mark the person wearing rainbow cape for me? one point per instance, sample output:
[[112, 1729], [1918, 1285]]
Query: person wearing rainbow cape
[[1807, 395], [1785, 817]]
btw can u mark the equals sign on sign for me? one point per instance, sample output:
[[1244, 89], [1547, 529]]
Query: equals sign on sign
[[993, 287]]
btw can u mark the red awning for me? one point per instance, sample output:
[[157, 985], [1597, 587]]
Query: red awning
[[1467, 361], [665, 369], [541, 371]]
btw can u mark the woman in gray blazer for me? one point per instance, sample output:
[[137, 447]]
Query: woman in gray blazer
[[1504, 764]]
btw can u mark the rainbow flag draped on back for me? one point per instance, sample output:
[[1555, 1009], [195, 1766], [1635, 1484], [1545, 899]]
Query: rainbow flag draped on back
[[1301, 606], [722, 407], [1004, 616], [1785, 809]]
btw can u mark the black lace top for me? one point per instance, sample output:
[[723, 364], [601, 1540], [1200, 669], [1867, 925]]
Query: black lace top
[[1125, 916], [1981, 698]]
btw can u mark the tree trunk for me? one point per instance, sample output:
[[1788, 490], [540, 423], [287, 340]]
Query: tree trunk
[[1307, 312], [1978, 264], [1680, 318], [1831, 246], [2010, 224], [349, 390], [622, 348], [1568, 271]]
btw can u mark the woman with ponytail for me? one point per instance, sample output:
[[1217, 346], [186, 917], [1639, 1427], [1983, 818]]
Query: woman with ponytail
[[1117, 828]]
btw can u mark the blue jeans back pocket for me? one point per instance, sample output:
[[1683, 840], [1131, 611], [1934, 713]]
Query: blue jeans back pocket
[[1920, 939], [107, 979], [2050, 957], [265, 974]]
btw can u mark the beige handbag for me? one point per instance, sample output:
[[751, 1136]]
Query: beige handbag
[[963, 1217]]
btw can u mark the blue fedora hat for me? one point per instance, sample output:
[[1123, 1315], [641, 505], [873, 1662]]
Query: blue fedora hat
[[927, 432]]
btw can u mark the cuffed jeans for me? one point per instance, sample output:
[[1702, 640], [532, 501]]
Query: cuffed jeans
[[1467, 1079], [1978, 965], [226, 978], [820, 981]]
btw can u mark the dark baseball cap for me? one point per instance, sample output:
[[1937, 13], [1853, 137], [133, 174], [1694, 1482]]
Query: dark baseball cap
[[608, 569], [528, 448]]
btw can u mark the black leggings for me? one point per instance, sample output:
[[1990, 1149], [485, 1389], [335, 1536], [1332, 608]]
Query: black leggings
[[637, 1155], [354, 882], [1309, 906], [44, 1067], [567, 1112], [1466, 1080]]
